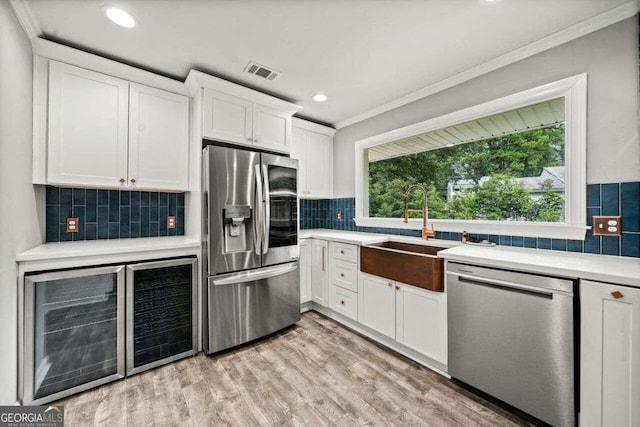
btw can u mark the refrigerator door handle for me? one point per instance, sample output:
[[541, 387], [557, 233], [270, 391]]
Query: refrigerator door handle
[[257, 214], [252, 276], [267, 210]]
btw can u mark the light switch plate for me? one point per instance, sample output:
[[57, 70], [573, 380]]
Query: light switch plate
[[607, 226]]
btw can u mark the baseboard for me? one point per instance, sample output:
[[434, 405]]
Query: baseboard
[[425, 361], [305, 306]]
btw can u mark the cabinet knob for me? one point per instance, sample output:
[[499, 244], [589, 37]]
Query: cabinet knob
[[122, 180], [341, 274], [617, 294], [255, 139], [249, 139], [389, 284], [397, 288], [341, 252], [342, 302], [133, 180]]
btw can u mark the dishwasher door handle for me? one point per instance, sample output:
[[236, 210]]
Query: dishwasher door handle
[[507, 286]]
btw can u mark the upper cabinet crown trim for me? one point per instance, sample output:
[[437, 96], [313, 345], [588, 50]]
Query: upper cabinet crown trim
[[313, 127], [61, 53], [197, 79]]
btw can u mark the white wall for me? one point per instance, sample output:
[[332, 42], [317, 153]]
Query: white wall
[[608, 56], [22, 225]]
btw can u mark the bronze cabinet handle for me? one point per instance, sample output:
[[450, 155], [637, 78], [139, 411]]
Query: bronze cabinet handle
[[133, 180], [122, 180], [617, 294]]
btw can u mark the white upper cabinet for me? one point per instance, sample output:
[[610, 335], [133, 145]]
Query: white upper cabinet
[[237, 120], [106, 132], [312, 145], [87, 133], [158, 139]]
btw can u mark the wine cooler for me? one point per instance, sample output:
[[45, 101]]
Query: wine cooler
[[161, 311], [89, 326]]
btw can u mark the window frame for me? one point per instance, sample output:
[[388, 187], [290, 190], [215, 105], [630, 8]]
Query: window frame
[[574, 91]]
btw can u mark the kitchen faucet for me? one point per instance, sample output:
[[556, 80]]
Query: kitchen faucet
[[426, 233]]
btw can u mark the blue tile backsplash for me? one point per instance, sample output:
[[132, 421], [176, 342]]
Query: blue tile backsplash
[[602, 199], [111, 214]]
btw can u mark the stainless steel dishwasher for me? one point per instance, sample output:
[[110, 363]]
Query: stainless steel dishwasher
[[511, 335]]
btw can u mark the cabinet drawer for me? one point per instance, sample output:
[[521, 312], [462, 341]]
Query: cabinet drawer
[[344, 302], [344, 252], [344, 274]]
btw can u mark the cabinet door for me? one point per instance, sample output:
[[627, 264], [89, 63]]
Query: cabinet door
[[318, 165], [158, 139], [305, 270], [87, 135], [226, 118], [271, 129], [376, 304], [421, 321], [299, 151], [610, 355], [319, 272]]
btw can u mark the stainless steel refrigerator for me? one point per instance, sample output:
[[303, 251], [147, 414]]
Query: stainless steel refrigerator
[[250, 245]]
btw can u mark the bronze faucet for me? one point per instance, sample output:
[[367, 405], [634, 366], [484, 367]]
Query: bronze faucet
[[426, 233]]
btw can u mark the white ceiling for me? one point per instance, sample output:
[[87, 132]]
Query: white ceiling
[[361, 53]]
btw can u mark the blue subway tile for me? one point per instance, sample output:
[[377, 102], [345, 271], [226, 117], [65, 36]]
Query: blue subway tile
[[494, 238], [52, 232], [114, 230], [52, 196], [610, 199], [591, 212], [180, 199], [79, 212], [114, 206], [125, 198], [162, 220], [103, 228], [125, 218], [530, 242], [630, 206], [164, 199], [144, 229], [574, 245], [134, 230], [505, 240], [103, 197], [544, 243], [610, 245], [630, 244], [593, 195], [559, 244], [78, 196], [173, 201], [592, 244], [135, 206], [66, 208], [91, 231], [153, 228], [144, 198], [517, 241], [483, 236], [64, 236]]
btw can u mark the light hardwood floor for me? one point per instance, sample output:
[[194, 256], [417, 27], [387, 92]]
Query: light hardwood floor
[[316, 373]]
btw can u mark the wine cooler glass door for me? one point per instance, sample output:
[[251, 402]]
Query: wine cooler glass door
[[74, 331]]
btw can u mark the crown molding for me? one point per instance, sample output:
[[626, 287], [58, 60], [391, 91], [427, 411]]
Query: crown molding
[[610, 17], [27, 19]]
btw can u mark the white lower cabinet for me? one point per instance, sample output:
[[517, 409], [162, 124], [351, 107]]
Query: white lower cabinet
[[377, 305], [421, 321], [414, 317], [319, 272], [305, 270], [609, 355], [343, 301]]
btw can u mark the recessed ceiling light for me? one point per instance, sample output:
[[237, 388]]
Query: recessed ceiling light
[[120, 17], [319, 97]]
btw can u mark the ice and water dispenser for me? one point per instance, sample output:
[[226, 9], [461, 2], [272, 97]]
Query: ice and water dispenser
[[236, 220]]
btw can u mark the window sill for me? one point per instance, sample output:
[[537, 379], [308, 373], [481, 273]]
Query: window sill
[[504, 228]]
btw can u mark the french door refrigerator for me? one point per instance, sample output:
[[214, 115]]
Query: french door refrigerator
[[250, 245]]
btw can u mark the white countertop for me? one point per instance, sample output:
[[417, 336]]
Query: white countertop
[[602, 268], [92, 248]]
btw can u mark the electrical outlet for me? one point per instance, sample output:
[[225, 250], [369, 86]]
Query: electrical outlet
[[339, 216], [606, 226], [171, 222], [72, 225]]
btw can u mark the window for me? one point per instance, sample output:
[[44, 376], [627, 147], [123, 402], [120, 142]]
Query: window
[[515, 165]]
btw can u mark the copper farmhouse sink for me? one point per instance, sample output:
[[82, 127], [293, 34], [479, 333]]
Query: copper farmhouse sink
[[408, 263]]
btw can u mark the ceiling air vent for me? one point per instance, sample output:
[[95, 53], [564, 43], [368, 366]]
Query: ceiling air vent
[[261, 71]]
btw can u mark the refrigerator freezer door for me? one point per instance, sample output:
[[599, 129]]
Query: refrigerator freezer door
[[251, 304], [281, 209], [232, 210]]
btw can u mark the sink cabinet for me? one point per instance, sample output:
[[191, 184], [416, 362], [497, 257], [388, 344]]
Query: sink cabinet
[[610, 355], [414, 317]]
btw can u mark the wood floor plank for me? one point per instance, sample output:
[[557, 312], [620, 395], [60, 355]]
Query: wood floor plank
[[316, 373]]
